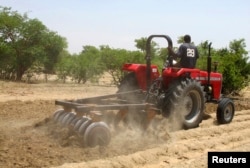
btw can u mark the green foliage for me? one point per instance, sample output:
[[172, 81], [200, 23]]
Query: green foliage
[[88, 64], [53, 46], [160, 58], [203, 53], [141, 45], [93, 62], [233, 64], [64, 66], [113, 60], [158, 55], [81, 67], [24, 43], [180, 40]]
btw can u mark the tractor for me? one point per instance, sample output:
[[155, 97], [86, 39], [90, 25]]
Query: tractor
[[146, 92], [190, 88]]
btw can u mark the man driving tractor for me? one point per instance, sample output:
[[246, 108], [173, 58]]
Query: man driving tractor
[[187, 52]]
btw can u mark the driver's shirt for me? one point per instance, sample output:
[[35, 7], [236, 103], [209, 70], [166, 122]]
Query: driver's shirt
[[188, 54]]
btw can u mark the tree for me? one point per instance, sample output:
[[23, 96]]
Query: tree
[[9, 22], [180, 40], [141, 45], [26, 42], [64, 66], [235, 66], [53, 45], [113, 60], [87, 65]]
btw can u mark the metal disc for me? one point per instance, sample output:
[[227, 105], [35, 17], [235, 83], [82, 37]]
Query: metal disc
[[97, 133], [71, 118], [84, 126], [57, 114], [68, 118], [60, 118], [64, 119], [79, 123], [73, 122]]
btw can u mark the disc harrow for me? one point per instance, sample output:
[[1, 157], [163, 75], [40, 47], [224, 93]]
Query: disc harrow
[[85, 117]]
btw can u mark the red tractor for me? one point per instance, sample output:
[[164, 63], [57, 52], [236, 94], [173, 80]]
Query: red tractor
[[177, 92], [181, 91]]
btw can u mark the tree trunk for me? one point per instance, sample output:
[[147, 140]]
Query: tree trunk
[[19, 73]]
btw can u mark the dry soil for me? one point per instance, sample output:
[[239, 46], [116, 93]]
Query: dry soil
[[29, 137]]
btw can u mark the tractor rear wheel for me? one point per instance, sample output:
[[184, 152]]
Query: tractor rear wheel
[[129, 83], [184, 102]]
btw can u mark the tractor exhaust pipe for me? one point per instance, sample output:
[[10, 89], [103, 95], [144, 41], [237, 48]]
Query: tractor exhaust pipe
[[148, 55], [209, 64]]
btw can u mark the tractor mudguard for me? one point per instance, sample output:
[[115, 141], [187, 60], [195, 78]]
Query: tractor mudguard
[[140, 73], [171, 73]]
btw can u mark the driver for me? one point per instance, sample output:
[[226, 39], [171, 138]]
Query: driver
[[187, 52]]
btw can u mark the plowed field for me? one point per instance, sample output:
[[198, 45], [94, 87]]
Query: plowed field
[[29, 138]]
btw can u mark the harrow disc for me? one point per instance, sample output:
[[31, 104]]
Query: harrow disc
[[57, 114], [97, 133], [84, 126], [79, 123], [68, 118], [73, 122], [60, 118]]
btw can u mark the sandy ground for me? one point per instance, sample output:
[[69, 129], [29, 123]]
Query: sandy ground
[[29, 138]]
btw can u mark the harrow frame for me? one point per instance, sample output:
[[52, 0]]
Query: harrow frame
[[89, 112]]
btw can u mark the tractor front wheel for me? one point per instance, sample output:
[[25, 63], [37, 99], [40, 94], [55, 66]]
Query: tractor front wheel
[[225, 111]]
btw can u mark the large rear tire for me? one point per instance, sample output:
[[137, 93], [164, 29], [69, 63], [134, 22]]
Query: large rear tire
[[129, 83], [184, 103]]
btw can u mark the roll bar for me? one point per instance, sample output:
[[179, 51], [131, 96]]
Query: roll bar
[[148, 54]]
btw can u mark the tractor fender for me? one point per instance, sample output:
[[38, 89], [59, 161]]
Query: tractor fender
[[140, 73]]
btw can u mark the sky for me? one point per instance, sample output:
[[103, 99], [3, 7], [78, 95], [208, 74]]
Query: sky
[[118, 23]]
